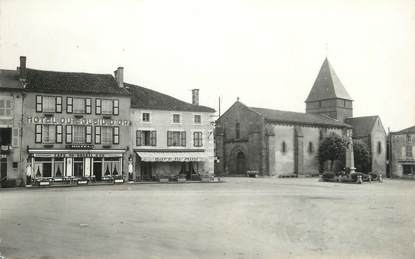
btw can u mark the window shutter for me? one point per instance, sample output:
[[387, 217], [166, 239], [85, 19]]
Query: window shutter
[[15, 138], [58, 104], [68, 130], [69, 104], [38, 133], [153, 138], [88, 106], [39, 106], [169, 138], [138, 138], [88, 134], [58, 133], [116, 135], [115, 107], [97, 106], [97, 135], [183, 138]]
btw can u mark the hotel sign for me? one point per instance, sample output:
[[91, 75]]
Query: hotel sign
[[76, 121], [80, 146]]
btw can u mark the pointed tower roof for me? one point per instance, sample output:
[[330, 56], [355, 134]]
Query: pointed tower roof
[[327, 85]]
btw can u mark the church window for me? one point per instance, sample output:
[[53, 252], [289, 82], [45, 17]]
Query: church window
[[237, 130], [408, 139], [379, 147], [284, 147], [310, 147]]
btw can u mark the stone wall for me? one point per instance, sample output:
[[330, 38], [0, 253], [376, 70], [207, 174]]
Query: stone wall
[[378, 148]]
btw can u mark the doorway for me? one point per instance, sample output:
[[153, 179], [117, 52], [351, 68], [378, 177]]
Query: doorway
[[408, 169], [188, 170], [240, 163], [146, 171], [97, 169], [78, 167], [3, 171]]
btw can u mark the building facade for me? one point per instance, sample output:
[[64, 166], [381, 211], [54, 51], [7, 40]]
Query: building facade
[[274, 142], [369, 130], [271, 142], [11, 96], [75, 124], [402, 153], [170, 138]]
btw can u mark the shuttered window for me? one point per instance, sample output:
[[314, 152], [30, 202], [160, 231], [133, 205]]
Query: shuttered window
[[146, 138], [176, 138], [197, 139]]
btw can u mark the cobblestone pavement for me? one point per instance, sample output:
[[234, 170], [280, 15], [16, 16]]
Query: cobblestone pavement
[[241, 218]]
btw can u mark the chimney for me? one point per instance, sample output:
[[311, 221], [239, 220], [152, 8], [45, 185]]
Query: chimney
[[195, 96], [119, 76], [23, 71]]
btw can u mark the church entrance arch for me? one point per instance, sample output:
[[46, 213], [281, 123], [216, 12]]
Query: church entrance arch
[[238, 160], [240, 163]]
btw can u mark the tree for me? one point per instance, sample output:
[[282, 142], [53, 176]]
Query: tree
[[362, 157], [332, 148]]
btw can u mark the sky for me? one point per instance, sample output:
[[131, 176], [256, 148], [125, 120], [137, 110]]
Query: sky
[[266, 52]]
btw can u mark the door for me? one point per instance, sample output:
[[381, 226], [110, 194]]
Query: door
[[3, 171], [78, 167], [240, 163], [98, 171], [47, 170], [146, 171]]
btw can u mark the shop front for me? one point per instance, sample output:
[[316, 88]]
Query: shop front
[[155, 165], [96, 164]]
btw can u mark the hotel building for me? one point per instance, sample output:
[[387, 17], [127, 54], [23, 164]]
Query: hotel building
[[75, 124]]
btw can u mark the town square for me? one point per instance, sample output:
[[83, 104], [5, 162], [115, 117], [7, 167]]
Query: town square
[[207, 129], [239, 218]]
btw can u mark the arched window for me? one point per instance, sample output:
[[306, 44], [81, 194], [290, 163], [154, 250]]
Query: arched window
[[237, 130], [379, 147], [310, 147], [284, 147]]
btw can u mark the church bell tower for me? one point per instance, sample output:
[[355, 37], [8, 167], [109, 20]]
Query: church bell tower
[[328, 97]]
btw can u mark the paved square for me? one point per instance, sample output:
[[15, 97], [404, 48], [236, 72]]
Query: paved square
[[242, 218]]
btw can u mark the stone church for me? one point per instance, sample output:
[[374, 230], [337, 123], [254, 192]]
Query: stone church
[[278, 143]]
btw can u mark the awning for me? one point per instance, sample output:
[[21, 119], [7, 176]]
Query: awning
[[172, 156]]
